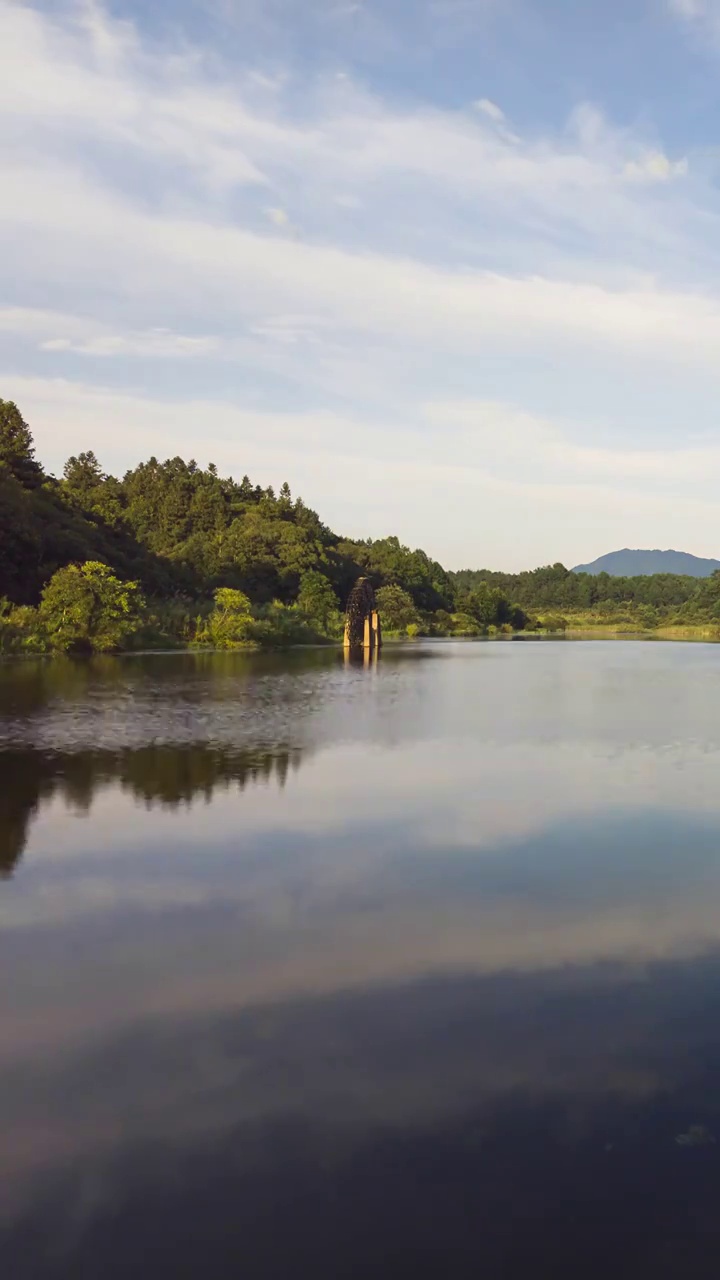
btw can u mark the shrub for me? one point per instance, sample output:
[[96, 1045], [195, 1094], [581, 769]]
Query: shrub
[[465, 625], [231, 622], [86, 608], [278, 625]]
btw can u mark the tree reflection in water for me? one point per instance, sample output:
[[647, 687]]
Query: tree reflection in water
[[163, 775]]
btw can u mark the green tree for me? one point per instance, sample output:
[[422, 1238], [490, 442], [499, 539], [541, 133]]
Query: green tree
[[396, 608], [231, 621], [86, 607], [483, 603], [518, 618], [17, 450], [86, 487], [20, 539], [267, 556], [284, 502], [317, 599], [83, 473]]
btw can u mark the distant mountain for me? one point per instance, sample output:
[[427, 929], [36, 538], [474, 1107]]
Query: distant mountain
[[635, 564]]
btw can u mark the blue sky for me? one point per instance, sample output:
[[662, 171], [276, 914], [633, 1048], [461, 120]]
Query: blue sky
[[450, 267]]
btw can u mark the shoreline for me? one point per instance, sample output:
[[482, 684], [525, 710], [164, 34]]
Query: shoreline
[[677, 634]]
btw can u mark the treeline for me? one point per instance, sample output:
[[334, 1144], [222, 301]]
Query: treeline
[[172, 553], [649, 601]]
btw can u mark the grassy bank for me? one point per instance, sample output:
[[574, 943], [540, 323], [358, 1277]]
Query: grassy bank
[[594, 624]]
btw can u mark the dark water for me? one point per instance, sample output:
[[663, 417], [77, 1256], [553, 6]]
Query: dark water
[[315, 971]]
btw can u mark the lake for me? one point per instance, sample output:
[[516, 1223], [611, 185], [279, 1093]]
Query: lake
[[326, 970]]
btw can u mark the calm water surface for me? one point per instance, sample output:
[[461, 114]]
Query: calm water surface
[[323, 971]]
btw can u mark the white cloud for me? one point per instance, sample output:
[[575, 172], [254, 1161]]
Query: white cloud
[[490, 109], [702, 17], [57, 344], [227, 130], [289, 329], [147, 343], [91, 78], [54, 331], [172, 259], [689, 8], [655, 167]]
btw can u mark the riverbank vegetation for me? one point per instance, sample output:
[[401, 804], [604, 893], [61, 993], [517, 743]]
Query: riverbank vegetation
[[561, 600], [173, 555]]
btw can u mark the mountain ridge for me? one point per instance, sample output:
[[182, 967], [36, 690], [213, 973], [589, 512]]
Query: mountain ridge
[[638, 563]]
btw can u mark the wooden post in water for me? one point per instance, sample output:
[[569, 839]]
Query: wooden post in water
[[377, 630]]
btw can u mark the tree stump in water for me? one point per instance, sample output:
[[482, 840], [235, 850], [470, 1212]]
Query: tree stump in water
[[362, 620]]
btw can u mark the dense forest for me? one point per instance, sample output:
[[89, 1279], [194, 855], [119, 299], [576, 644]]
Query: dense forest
[[659, 599], [174, 554]]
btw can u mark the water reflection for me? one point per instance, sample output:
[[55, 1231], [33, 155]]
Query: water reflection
[[441, 1000], [385, 1130], [157, 775]]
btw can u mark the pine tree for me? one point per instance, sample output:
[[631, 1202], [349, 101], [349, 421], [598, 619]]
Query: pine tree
[[83, 473], [17, 450]]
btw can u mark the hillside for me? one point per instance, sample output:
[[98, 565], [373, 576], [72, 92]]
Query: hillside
[[636, 564], [172, 554]]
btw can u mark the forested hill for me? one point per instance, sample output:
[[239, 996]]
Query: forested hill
[[632, 564], [179, 529], [171, 553]]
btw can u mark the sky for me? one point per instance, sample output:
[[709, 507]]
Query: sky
[[451, 268]]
